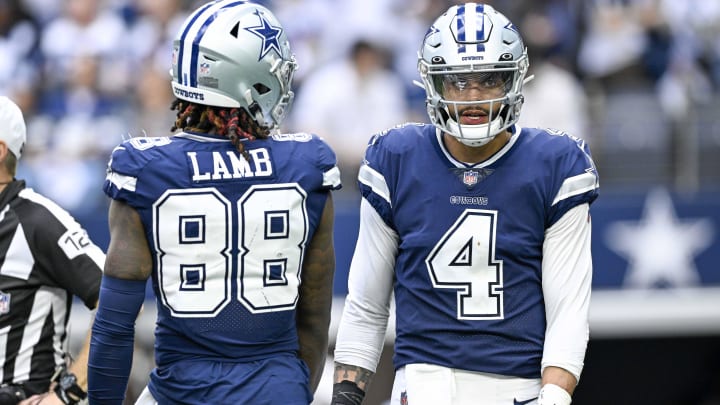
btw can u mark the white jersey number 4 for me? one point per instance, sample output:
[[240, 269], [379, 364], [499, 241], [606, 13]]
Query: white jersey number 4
[[464, 260]]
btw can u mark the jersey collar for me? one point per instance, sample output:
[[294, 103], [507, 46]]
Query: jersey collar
[[11, 191], [202, 137]]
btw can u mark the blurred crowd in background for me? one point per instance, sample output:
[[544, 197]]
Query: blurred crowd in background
[[638, 79]]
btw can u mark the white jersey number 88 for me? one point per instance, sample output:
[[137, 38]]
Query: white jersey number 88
[[193, 242]]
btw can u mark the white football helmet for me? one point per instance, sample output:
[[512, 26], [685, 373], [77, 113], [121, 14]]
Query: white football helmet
[[472, 41], [235, 54]]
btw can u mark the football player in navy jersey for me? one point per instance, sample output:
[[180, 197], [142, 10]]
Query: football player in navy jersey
[[480, 230], [231, 220]]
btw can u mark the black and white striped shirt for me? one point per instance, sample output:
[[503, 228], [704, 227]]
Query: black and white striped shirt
[[46, 257]]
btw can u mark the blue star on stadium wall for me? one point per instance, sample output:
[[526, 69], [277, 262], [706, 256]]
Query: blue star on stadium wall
[[268, 33]]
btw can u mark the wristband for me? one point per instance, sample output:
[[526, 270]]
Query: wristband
[[347, 393], [66, 387], [551, 394]]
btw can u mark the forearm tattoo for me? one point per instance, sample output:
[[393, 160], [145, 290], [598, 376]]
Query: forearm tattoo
[[358, 375]]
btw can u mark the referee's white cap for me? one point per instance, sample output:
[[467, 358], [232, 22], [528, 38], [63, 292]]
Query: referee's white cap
[[12, 126]]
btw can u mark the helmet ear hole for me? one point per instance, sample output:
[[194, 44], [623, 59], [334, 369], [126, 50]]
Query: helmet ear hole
[[261, 88]]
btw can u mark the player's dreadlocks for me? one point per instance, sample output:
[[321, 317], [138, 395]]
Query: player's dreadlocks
[[234, 123]]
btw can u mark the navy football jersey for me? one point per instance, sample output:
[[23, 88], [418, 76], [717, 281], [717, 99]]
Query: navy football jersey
[[470, 248], [227, 235]]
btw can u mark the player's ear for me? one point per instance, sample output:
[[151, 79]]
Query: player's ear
[[3, 151]]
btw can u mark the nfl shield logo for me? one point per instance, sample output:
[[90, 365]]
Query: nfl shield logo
[[204, 68], [4, 303], [470, 178]]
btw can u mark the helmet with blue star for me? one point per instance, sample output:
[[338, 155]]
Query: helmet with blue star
[[235, 54]]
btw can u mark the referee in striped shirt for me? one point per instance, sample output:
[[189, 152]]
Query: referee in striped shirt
[[46, 258]]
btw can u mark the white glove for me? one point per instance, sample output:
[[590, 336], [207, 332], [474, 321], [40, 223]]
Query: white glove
[[551, 394]]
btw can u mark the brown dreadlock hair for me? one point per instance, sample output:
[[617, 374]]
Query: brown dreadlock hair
[[234, 123]]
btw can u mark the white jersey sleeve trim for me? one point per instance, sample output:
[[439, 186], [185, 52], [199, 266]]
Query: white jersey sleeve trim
[[122, 182], [373, 179], [566, 282], [361, 334], [332, 177], [576, 185]]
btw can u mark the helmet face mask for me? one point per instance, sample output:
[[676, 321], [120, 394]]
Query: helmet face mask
[[235, 54], [473, 43]]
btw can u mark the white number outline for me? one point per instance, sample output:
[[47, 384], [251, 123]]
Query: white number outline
[[291, 195], [168, 294], [492, 268], [144, 143], [291, 274]]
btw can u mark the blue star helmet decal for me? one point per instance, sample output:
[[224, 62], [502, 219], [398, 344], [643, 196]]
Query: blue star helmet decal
[[430, 31], [268, 33]]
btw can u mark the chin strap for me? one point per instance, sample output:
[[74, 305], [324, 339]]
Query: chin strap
[[491, 129]]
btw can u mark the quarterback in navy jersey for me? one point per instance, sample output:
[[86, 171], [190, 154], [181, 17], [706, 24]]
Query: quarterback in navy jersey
[[233, 222], [479, 229]]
